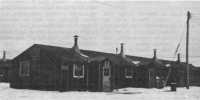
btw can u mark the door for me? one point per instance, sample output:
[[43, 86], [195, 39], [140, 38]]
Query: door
[[106, 75], [65, 77], [152, 81]]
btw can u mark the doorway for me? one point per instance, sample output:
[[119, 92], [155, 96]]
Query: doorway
[[65, 79], [106, 76]]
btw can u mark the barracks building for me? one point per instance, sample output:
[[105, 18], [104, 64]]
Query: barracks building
[[47, 67]]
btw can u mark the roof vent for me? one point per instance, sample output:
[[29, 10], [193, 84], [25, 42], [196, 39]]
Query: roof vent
[[122, 50], [75, 47], [178, 58], [154, 53]]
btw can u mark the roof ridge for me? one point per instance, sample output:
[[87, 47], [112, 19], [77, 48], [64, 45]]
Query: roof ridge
[[113, 54]]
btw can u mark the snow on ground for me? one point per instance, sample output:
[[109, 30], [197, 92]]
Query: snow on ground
[[7, 93]]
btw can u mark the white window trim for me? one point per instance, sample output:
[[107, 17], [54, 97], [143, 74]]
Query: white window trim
[[128, 76], [167, 65], [20, 68], [83, 72]]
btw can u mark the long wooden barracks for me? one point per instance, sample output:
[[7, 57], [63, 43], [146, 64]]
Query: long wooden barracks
[[67, 69]]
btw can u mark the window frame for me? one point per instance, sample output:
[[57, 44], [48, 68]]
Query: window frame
[[24, 68], [75, 67]]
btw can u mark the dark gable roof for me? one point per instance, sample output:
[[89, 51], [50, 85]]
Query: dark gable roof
[[58, 53]]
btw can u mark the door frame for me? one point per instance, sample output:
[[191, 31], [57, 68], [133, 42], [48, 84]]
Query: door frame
[[109, 76]]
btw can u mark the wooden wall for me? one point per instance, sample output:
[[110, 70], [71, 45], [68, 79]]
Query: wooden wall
[[31, 55]]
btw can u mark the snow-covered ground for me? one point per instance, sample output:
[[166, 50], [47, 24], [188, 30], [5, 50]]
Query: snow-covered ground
[[193, 93]]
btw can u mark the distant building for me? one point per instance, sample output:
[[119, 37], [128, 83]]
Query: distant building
[[5, 65]]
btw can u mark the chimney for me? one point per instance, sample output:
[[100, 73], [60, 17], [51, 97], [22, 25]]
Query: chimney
[[4, 55], [178, 58], [75, 47], [122, 50], [116, 50], [154, 54]]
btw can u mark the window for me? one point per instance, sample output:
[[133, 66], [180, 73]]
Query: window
[[167, 65], [137, 63], [128, 72], [24, 68], [106, 69], [78, 71]]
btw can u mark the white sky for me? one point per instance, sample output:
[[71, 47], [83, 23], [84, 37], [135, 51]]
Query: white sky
[[102, 26]]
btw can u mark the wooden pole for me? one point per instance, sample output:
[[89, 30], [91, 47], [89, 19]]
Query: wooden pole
[[187, 50]]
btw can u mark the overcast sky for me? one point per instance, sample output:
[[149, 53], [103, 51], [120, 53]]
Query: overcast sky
[[102, 26]]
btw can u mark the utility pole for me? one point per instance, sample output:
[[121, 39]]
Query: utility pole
[[187, 50], [4, 55]]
